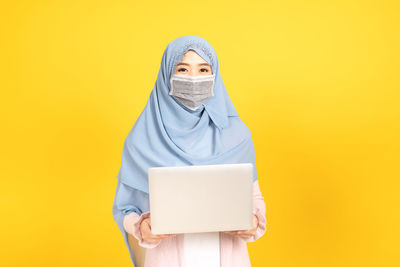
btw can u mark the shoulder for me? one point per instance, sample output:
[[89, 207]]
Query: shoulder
[[237, 125], [237, 132]]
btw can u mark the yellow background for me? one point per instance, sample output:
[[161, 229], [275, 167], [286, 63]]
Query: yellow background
[[317, 83]]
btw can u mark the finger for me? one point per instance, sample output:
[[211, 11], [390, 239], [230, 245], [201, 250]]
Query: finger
[[155, 238], [251, 231], [158, 237], [165, 236], [161, 236], [246, 234], [152, 240], [230, 232], [171, 235]]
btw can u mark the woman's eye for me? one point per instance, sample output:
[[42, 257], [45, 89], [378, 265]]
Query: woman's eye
[[181, 69], [204, 70]]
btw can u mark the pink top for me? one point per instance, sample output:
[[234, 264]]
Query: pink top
[[169, 252]]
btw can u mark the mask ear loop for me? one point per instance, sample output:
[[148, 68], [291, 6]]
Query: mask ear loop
[[170, 85], [212, 87]]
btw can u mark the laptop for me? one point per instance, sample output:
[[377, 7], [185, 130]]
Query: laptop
[[201, 198]]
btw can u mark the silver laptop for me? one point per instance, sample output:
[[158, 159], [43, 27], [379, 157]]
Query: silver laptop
[[201, 198]]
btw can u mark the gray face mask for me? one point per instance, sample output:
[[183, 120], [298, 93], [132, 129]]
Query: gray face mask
[[192, 91]]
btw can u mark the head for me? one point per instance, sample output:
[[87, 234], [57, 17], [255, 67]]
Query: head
[[194, 51], [192, 83], [192, 79], [193, 64]]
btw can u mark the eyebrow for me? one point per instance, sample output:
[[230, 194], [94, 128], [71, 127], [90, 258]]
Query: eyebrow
[[187, 64]]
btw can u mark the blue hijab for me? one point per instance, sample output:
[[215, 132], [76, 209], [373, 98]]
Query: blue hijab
[[169, 134]]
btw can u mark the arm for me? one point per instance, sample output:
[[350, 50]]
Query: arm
[[259, 212], [132, 202]]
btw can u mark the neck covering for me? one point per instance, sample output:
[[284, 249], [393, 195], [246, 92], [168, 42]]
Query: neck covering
[[167, 133]]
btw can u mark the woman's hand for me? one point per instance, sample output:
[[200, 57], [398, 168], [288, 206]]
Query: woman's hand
[[245, 233], [145, 230]]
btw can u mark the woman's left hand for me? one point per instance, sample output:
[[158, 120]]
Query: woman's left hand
[[245, 233]]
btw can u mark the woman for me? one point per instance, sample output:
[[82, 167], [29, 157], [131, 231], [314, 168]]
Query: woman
[[185, 122]]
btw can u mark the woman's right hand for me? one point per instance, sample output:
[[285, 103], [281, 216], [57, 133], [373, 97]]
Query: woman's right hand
[[145, 230]]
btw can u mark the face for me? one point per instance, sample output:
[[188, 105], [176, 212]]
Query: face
[[193, 65]]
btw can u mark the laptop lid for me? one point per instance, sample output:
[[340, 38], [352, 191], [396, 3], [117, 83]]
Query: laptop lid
[[201, 198]]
